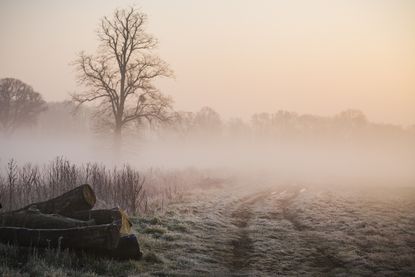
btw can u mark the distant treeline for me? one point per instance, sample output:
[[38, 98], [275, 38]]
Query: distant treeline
[[64, 118]]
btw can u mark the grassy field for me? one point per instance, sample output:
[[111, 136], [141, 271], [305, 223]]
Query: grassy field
[[261, 230]]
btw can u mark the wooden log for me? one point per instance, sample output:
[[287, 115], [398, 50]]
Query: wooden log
[[79, 199], [128, 249], [33, 219], [114, 215], [96, 238]]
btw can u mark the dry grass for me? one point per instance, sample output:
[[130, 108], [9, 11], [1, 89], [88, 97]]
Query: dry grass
[[123, 186]]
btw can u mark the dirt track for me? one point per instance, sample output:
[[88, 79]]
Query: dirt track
[[281, 230]]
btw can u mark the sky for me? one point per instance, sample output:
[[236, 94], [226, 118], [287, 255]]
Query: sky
[[236, 56]]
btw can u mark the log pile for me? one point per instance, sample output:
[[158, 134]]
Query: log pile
[[68, 222]]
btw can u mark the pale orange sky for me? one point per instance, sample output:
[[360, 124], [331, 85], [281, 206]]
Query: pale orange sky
[[239, 57]]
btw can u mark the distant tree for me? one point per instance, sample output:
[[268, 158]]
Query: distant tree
[[207, 120], [285, 123], [236, 127], [352, 118], [119, 78], [261, 123], [314, 126], [20, 105], [181, 125], [350, 124]]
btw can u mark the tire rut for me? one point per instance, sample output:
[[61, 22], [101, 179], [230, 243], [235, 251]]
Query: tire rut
[[323, 257], [242, 246], [289, 215]]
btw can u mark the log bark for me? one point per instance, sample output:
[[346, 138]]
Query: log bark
[[127, 249], [79, 199], [115, 215], [33, 219], [96, 238]]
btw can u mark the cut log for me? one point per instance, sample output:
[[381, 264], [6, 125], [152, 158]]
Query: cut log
[[67, 221], [79, 199], [33, 219], [96, 238], [127, 249], [114, 215]]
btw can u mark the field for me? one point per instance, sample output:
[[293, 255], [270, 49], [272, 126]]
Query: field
[[226, 228], [239, 138]]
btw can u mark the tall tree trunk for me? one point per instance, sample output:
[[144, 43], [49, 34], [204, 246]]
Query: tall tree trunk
[[117, 142]]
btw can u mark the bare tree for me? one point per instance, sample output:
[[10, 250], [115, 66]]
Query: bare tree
[[20, 105], [119, 78]]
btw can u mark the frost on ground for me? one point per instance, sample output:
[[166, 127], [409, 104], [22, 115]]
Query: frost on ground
[[284, 230], [268, 230]]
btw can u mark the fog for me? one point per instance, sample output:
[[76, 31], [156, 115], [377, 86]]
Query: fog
[[282, 146]]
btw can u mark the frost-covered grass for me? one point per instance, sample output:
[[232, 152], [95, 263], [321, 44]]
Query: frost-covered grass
[[280, 230], [258, 231], [15, 261], [360, 231]]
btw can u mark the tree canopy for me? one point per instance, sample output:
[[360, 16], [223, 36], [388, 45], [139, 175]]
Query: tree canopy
[[20, 105]]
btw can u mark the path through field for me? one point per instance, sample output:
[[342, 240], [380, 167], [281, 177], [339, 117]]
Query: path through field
[[284, 230]]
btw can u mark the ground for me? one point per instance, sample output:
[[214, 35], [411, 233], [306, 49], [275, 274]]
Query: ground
[[287, 231], [265, 230]]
